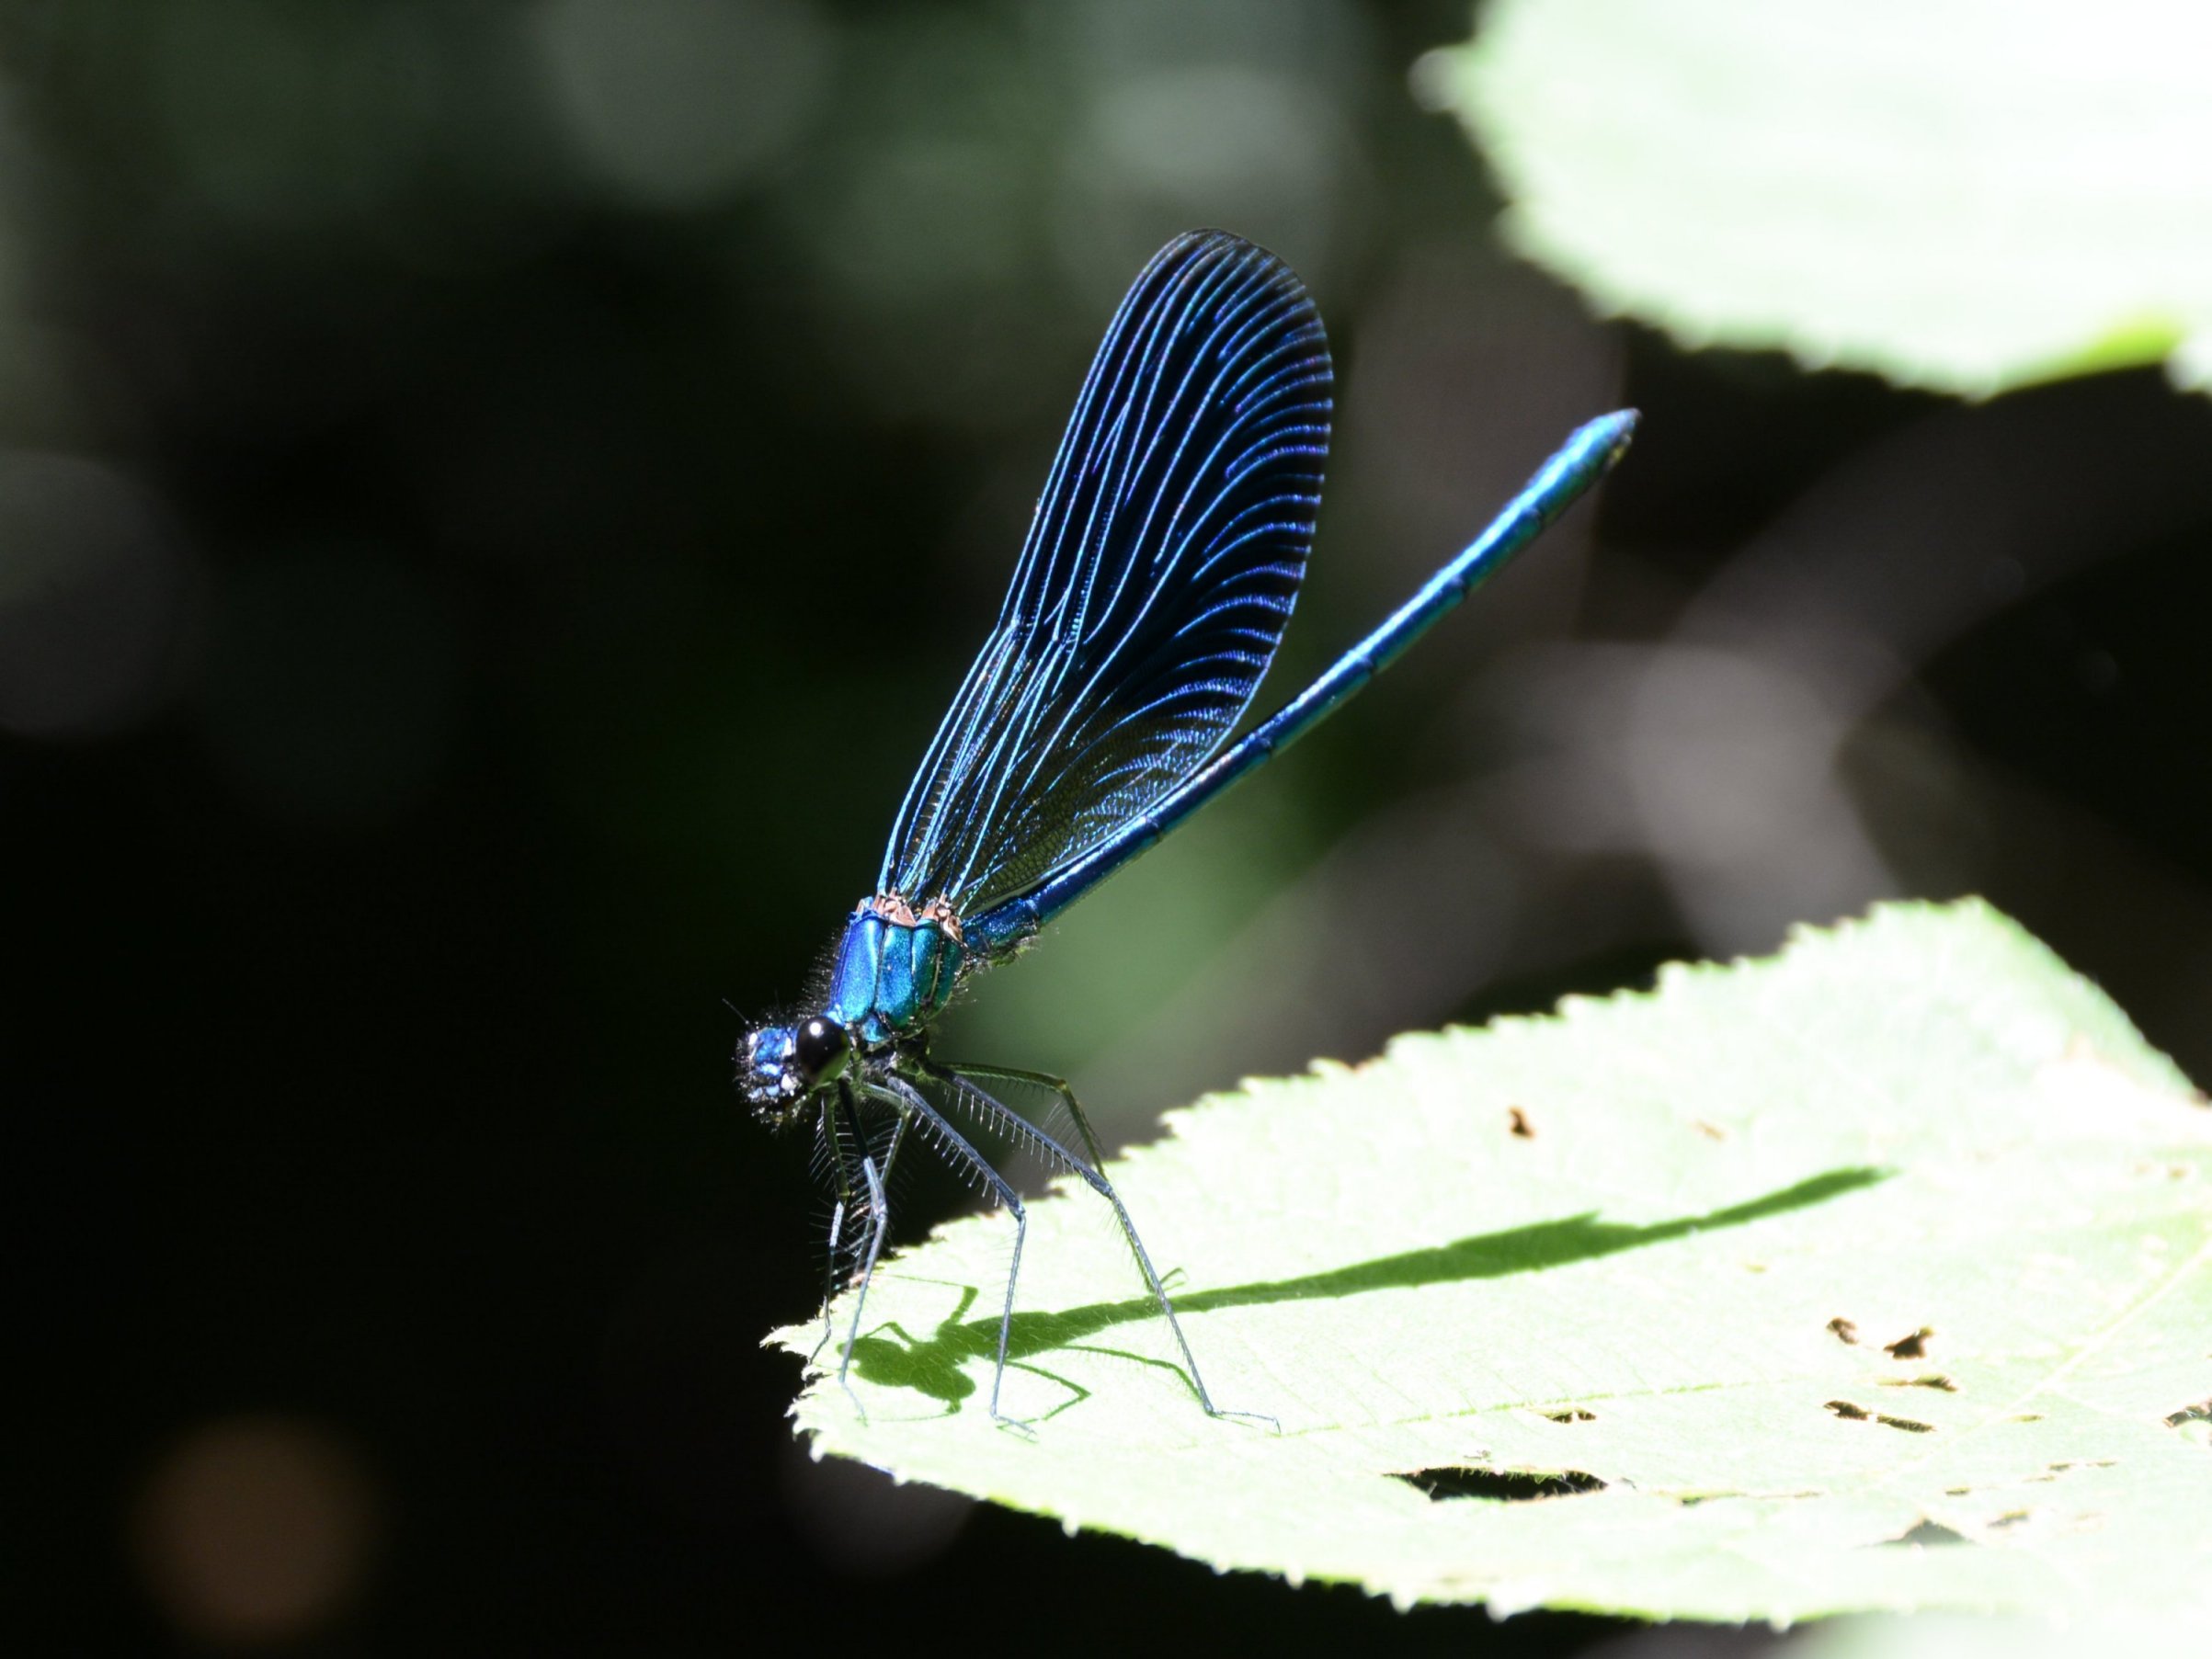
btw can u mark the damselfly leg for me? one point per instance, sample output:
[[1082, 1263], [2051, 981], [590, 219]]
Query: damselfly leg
[[987, 1108], [957, 1149], [845, 1148]]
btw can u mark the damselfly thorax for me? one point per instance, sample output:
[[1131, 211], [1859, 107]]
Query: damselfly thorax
[[896, 969], [893, 971]]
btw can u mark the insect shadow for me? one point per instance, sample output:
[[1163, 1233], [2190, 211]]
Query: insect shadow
[[891, 1357]]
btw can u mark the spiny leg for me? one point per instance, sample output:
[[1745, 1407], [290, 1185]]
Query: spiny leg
[[829, 1278], [890, 1158], [993, 1111], [955, 1145], [835, 1149], [1043, 1080], [875, 1243], [879, 1205]]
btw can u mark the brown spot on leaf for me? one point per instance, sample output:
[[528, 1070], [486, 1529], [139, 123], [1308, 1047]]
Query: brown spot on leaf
[[1914, 1346], [1845, 1330], [1712, 1131], [1859, 1414], [1573, 1414], [1523, 1129], [1935, 1379]]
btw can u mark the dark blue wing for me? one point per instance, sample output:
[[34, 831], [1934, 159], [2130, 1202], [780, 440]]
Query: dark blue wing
[[1156, 582]]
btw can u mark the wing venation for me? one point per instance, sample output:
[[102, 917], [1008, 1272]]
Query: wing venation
[[1156, 580]]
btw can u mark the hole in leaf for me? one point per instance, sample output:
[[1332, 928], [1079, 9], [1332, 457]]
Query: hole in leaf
[[1521, 1126], [1927, 1533], [1935, 1379], [1859, 1414], [2199, 1413], [1845, 1330], [1914, 1346], [1506, 1486]]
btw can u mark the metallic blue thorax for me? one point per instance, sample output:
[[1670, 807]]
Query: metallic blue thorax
[[894, 970]]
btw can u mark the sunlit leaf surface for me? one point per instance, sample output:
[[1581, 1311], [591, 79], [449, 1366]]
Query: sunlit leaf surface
[[1964, 195], [1874, 1275]]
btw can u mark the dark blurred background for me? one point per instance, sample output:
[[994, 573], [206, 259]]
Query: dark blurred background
[[493, 498]]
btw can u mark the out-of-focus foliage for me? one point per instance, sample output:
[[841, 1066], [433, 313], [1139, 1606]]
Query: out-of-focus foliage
[[1964, 195], [1873, 1276]]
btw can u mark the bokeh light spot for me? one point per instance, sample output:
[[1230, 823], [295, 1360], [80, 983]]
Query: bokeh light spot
[[1261, 151], [679, 103], [255, 1530]]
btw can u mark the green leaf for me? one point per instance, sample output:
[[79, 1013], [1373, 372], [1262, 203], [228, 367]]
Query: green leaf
[[1966, 195], [1874, 1275]]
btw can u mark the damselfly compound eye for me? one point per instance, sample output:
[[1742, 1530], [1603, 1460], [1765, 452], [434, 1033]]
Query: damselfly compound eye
[[820, 1048]]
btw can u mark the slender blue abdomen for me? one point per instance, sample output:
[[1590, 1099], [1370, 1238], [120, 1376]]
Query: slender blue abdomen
[[1587, 456], [893, 975]]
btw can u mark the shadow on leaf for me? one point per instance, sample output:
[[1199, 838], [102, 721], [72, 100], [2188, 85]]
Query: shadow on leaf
[[932, 1367]]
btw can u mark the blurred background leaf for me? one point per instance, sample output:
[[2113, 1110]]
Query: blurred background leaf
[[1964, 195]]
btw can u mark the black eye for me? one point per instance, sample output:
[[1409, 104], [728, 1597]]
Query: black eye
[[818, 1046]]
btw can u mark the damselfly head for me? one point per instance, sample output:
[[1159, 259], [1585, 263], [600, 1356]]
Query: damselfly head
[[768, 1073], [780, 1066]]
